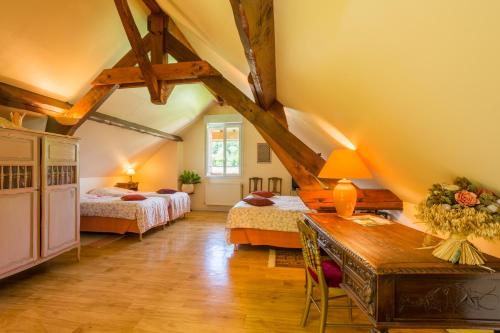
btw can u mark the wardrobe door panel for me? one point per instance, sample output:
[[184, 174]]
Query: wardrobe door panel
[[60, 231], [60, 196], [19, 198]]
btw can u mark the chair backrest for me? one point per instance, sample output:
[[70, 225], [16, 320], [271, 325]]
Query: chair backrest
[[311, 252], [274, 185], [254, 184]]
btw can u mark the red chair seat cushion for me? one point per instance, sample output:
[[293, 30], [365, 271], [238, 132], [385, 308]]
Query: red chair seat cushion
[[263, 194], [258, 201], [332, 271], [133, 197]]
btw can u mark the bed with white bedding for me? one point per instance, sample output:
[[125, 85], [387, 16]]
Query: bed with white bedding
[[274, 225], [179, 203], [111, 214]]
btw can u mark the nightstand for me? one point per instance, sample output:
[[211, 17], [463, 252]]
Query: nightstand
[[133, 186]]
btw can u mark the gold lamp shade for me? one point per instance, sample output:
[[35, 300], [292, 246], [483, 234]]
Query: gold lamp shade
[[343, 164]]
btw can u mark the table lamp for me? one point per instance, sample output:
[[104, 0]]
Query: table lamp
[[130, 172], [343, 164]]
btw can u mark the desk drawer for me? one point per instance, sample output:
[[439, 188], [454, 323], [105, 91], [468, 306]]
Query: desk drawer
[[362, 282], [332, 249]]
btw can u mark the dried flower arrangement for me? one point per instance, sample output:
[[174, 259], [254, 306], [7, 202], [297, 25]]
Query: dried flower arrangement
[[461, 210]]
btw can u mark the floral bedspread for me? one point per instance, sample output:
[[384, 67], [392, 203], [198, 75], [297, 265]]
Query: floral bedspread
[[180, 202], [282, 216], [148, 213]]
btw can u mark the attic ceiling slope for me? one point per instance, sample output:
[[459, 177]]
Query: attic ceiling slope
[[405, 82], [413, 84], [64, 45]]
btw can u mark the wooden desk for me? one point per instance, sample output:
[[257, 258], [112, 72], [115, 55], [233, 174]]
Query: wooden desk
[[397, 285]]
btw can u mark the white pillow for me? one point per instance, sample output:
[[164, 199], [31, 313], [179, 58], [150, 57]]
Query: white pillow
[[110, 191]]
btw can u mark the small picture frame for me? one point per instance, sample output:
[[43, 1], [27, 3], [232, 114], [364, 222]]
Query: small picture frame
[[263, 153]]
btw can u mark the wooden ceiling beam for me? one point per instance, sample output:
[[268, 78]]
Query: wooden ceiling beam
[[173, 82], [153, 6], [263, 120], [95, 97], [27, 100], [168, 72], [157, 23], [174, 30], [140, 51], [114, 121], [255, 22]]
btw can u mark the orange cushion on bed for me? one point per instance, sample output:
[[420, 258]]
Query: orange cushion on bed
[[264, 194], [133, 197], [258, 201]]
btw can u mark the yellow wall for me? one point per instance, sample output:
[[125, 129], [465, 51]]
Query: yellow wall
[[162, 169], [413, 84]]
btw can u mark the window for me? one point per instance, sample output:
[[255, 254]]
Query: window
[[223, 149]]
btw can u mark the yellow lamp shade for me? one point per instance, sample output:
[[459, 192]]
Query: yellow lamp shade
[[344, 163], [130, 171]]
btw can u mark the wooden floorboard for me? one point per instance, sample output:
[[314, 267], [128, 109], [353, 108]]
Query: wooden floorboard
[[181, 279]]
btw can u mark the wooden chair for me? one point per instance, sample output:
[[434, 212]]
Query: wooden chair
[[254, 184], [274, 185], [324, 274]]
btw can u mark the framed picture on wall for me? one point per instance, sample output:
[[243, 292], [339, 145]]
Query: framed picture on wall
[[263, 153]]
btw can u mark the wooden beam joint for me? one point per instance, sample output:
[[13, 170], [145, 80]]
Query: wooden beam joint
[[165, 72], [138, 48]]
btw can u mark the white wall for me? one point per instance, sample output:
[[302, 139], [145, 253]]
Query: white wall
[[106, 151], [89, 183], [194, 159]]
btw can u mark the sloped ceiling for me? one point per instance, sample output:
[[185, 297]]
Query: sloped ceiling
[[57, 48], [412, 84]]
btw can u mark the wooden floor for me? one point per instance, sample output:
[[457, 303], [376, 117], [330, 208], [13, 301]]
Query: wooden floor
[[181, 279]]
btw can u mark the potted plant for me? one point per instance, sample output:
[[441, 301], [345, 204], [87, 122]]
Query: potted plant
[[461, 210], [188, 178]]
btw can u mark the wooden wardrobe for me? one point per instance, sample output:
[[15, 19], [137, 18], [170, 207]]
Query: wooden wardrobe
[[39, 198]]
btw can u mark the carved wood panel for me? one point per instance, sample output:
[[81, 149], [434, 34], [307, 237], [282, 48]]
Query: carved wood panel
[[362, 282], [334, 251], [451, 298]]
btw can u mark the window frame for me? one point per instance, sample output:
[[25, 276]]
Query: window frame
[[224, 125]]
